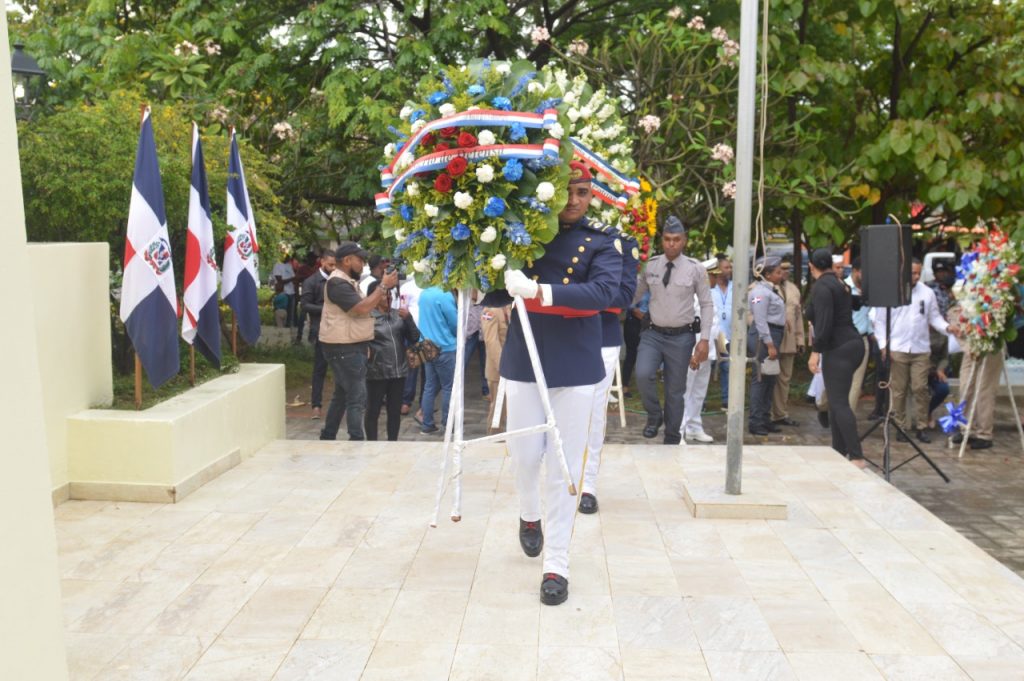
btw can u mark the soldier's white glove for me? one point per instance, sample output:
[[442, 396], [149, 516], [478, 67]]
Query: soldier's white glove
[[518, 284]]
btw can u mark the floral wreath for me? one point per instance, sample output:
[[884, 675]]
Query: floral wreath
[[989, 293], [479, 171], [640, 219]]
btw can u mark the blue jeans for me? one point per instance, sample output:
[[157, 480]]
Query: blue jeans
[[939, 390], [440, 376], [348, 365]]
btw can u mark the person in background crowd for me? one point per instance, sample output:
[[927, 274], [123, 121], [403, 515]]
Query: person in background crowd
[[793, 341], [409, 298], [838, 351], [284, 274], [304, 271], [474, 341], [313, 304], [636, 320], [721, 296], [862, 322], [938, 360], [438, 324], [838, 267], [346, 329], [388, 366], [909, 349], [699, 376], [768, 310], [280, 303], [376, 266], [494, 329], [672, 280]]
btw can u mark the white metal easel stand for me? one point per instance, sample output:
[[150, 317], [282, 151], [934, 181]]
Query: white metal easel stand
[[454, 439]]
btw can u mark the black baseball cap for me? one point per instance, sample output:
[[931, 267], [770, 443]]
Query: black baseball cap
[[351, 248]]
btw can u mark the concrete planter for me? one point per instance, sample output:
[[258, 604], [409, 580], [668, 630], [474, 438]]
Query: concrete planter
[[166, 452]]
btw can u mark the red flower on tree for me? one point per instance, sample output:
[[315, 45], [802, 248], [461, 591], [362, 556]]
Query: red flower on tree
[[443, 183], [467, 139], [457, 166]]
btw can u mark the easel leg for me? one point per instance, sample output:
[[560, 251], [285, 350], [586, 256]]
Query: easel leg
[[979, 371]]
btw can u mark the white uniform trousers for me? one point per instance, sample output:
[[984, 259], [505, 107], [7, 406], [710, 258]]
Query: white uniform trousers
[[572, 408], [599, 419], [696, 390]]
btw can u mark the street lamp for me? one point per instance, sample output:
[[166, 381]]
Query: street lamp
[[25, 73]]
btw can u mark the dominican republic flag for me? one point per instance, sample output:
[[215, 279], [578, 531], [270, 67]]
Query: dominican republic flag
[[149, 303], [200, 324], [238, 286]]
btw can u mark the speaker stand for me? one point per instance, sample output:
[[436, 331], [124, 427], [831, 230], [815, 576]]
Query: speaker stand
[[887, 468]]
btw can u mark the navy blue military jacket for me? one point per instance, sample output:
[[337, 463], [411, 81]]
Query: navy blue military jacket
[[611, 327], [584, 268]]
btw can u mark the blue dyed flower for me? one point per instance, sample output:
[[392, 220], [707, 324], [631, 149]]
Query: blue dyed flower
[[966, 262], [396, 132], [407, 212], [502, 103], [548, 104], [476, 90], [416, 115], [524, 80], [437, 97], [955, 419], [517, 132], [495, 207], [517, 234], [449, 265], [447, 83], [513, 170], [460, 232], [536, 205]]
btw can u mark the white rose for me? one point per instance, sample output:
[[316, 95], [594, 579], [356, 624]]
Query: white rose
[[463, 200], [488, 235], [498, 262], [446, 109], [405, 112], [573, 114], [504, 68], [399, 234], [569, 97], [421, 265], [486, 138], [595, 202], [412, 188], [389, 150], [472, 108], [418, 125], [404, 161], [557, 131], [545, 191], [484, 173], [430, 209], [534, 87]]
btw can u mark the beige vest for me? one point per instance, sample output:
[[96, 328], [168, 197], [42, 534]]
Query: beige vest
[[338, 326]]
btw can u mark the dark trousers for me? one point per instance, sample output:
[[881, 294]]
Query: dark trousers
[[837, 368], [763, 387], [939, 390], [409, 394], [475, 343], [348, 366], [293, 301], [300, 322], [319, 374], [657, 349], [631, 339], [387, 392], [881, 374]]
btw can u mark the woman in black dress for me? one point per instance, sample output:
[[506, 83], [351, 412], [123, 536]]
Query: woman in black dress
[[841, 350]]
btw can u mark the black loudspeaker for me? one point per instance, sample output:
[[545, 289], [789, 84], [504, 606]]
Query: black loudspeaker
[[885, 260]]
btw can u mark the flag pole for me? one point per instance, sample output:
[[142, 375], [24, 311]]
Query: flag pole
[[138, 382], [192, 365], [234, 334]]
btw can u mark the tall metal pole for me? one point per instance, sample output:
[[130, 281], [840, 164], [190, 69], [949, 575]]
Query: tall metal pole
[[741, 244]]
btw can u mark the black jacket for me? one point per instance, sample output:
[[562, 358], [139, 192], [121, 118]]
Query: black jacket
[[831, 313], [313, 301], [391, 334]]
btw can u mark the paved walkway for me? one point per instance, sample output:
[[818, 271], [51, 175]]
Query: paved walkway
[[984, 500]]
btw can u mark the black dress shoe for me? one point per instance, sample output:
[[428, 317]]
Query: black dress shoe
[[588, 503], [672, 440], [958, 438], [823, 418], [978, 443], [900, 437], [786, 422], [772, 428], [922, 436], [875, 416], [554, 589], [651, 429], [531, 537], [759, 431]]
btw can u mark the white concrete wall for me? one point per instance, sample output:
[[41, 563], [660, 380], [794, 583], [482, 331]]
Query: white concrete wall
[[72, 303], [31, 627]]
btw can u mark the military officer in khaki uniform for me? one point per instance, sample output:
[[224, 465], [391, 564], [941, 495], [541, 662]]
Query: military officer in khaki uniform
[[793, 341]]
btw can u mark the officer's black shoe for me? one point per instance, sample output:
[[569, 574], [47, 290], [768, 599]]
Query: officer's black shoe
[[823, 418], [531, 537], [786, 422], [672, 440], [978, 443], [758, 431], [922, 436], [588, 503], [554, 589], [651, 429], [772, 428], [958, 438]]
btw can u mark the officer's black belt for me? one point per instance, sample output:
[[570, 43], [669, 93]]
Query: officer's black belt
[[776, 326], [676, 330]]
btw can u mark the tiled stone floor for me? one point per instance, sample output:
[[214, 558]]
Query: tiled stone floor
[[313, 560]]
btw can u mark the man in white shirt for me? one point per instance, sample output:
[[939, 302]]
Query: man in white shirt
[[909, 349], [721, 296], [697, 379], [284, 274], [409, 298]]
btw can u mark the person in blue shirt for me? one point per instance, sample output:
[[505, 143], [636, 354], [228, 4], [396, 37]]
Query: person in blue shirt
[[721, 296], [438, 324], [579, 275]]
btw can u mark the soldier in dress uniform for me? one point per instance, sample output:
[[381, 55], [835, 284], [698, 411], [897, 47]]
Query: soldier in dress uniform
[[611, 342], [768, 309], [672, 280], [578, 276]]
